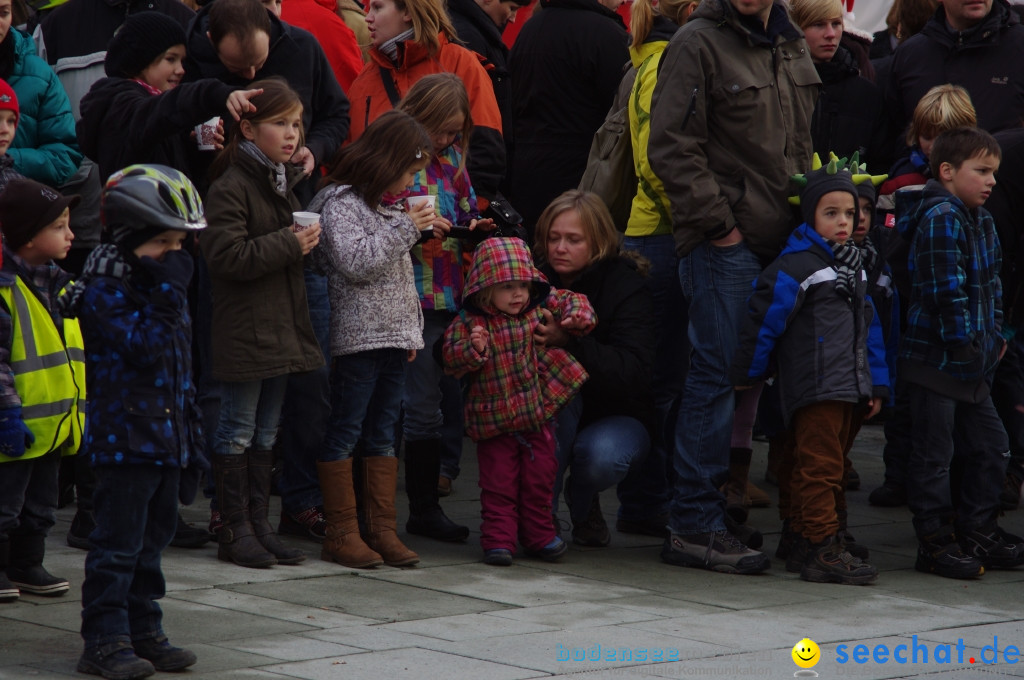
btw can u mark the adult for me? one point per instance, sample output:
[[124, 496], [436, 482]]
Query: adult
[[737, 70], [973, 43], [335, 37], [603, 433], [849, 115], [354, 16], [414, 38], [566, 66]]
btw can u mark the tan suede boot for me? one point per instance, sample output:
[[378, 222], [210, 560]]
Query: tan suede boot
[[380, 475], [343, 543]]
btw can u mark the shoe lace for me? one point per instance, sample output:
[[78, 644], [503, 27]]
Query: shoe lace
[[728, 542]]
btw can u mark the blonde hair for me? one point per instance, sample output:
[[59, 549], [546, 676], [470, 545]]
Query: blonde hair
[[598, 227], [942, 108], [429, 17], [484, 298], [807, 12], [433, 100], [641, 17]]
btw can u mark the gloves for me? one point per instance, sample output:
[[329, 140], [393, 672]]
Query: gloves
[[174, 271], [15, 436]]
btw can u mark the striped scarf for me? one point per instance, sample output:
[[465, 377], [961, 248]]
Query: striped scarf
[[849, 263], [104, 260]]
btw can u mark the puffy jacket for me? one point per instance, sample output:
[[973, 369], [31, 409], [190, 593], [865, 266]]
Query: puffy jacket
[[365, 252], [984, 60], [816, 340], [731, 123], [369, 100], [44, 147], [514, 386], [954, 315]]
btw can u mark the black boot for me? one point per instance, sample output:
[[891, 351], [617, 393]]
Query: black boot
[[426, 518], [8, 591], [261, 472], [26, 567], [238, 543]]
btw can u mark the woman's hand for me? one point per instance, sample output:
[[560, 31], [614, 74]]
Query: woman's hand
[[308, 237], [549, 333], [238, 102]]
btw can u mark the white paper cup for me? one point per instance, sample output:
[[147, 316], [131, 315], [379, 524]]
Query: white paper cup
[[413, 202], [305, 220], [205, 132]]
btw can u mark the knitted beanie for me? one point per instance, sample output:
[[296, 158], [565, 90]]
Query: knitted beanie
[[867, 190], [26, 207], [824, 180], [8, 99], [141, 39]]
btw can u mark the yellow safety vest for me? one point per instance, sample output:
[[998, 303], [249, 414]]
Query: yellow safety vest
[[49, 373]]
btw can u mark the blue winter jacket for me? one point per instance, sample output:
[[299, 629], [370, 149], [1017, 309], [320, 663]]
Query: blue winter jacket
[[45, 147]]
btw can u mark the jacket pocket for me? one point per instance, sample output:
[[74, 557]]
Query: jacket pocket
[[149, 423]]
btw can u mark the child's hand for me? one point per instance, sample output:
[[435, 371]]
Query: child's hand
[[874, 406], [410, 355], [578, 323], [308, 237], [238, 102], [479, 338], [15, 437]]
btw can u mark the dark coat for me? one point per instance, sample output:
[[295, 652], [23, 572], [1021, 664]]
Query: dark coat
[[566, 66], [479, 33], [1006, 204], [619, 353]]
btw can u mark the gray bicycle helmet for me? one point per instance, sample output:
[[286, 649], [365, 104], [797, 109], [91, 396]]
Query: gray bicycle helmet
[[150, 196]]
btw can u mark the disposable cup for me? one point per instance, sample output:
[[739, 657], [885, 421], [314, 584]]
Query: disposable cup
[[305, 220], [413, 202], [205, 132]]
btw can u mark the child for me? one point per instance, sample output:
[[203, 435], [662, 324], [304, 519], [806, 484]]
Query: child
[[261, 330], [947, 357], [376, 327], [143, 433], [141, 113], [9, 114], [515, 388], [810, 302], [440, 104], [42, 381]]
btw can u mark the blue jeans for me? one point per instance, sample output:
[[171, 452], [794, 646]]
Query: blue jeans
[[136, 510], [716, 283], [941, 425], [306, 411], [598, 456], [250, 412], [423, 398], [366, 400], [647, 490]]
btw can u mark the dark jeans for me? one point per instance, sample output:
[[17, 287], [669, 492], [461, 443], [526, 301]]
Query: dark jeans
[[898, 440], [136, 514], [28, 495], [940, 425], [366, 400]]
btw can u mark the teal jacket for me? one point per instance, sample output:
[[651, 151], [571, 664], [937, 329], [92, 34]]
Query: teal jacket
[[45, 147]]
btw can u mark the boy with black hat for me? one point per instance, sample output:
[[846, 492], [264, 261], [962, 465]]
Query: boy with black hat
[[42, 381], [809, 321]]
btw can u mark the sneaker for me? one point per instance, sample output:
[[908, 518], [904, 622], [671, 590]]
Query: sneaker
[[887, 496], [718, 551], [829, 562], [116, 661], [310, 523], [498, 557], [593, 531], [162, 655], [444, 486], [8, 591], [81, 526], [852, 546], [852, 480], [37, 581], [994, 548], [188, 536], [751, 537], [656, 526], [945, 558], [552, 552]]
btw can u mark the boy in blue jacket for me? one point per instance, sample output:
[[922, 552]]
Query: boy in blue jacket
[[810, 320], [947, 358]]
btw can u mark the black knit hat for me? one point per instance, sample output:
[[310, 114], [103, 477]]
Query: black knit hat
[[867, 190], [141, 39], [26, 206], [821, 182]]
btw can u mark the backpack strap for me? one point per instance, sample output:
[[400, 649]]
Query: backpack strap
[[389, 85]]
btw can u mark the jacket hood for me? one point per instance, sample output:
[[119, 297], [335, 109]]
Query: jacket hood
[[498, 260], [912, 204], [843, 65], [661, 32], [722, 12], [804, 238], [23, 44], [985, 33], [586, 5]]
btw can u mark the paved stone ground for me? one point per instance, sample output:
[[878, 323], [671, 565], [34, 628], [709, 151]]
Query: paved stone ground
[[453, 617]]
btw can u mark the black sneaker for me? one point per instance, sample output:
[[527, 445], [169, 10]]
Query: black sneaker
[[947, 559], [830, 562], [498, 557], [81, 526], [163, 655], [887, 496], [116, 661], [37, 581], [310, 523], [994, 548], [8, 591], [188, 536], [719, 551]]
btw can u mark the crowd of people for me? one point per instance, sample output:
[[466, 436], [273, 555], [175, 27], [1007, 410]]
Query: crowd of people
[[255, 247]]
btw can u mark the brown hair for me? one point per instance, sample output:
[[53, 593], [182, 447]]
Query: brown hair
[[433, 100], [912, 15], [807, 12], [391, 146], [598, 227], [960, 144], [641, 17], [240, 18], [429, 17], [942, 108], [277, 99], [484, 298]]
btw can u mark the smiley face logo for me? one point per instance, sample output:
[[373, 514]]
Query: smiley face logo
[[806, 653]]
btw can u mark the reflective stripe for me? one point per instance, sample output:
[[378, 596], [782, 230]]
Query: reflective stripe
[[55, 408], [34, 363], [76, 354]]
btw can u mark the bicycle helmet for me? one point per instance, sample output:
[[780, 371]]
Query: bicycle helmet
[[150, 196]]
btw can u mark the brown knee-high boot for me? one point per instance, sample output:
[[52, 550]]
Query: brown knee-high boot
[[343, 544], [380, 475], [261, 469]]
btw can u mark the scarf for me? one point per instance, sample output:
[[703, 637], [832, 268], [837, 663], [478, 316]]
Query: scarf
[[390, 48], [280, 178], [104, 260], [849, 263], [869, 254]]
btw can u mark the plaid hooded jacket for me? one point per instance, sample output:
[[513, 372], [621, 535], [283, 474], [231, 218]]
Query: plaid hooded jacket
[[515, 386]]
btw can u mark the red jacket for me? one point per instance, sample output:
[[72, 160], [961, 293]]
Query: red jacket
[[335, 37]]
